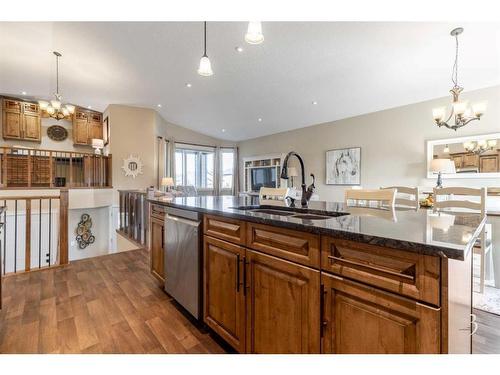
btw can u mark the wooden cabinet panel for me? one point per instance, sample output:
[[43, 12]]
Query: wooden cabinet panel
[[488, 164], [471, 160], [224, 303], [231, 230], [80, 129], [31, 126], [413, 275], [21, 120], [458, 160], [157, 248], [282, 306], [296, 246], [12, 124], [95, 126], [358, 319], [158, 211]]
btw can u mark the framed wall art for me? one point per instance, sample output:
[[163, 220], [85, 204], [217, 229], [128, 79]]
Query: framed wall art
[[343, 166]]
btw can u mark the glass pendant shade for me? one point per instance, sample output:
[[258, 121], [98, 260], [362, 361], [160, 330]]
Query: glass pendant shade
[[205, 68], [43, 105], [51, 110], [56, 104], [459, 108], [254, 33], [65, 111], [70, 108]]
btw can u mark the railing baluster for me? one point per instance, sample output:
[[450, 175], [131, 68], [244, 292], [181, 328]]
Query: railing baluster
[[15, 236], [40, 234], [27, 246], [50, 227]]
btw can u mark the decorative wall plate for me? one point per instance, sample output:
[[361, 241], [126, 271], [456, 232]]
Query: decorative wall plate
[[57, 133], [132, 166], [84, 236]]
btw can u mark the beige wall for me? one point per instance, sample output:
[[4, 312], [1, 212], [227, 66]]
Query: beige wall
[[134, 131], [392, 143]]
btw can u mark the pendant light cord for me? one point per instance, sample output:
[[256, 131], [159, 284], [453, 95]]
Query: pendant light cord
[[205, 39], [454, 74], [57, 74]]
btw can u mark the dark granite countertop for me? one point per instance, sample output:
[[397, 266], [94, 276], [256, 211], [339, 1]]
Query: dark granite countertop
[[445, 234]]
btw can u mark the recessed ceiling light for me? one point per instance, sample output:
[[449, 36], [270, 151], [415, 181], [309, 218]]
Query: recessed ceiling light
[[89, 107], [158, 105], [23, 93], [314, 102], [238, 49], [259, 119], [223, 130], [188, 85]]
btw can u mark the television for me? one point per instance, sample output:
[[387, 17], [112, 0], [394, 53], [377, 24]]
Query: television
[[263, 177]]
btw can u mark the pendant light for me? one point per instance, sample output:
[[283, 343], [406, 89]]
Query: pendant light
[[205, 68], [254, 33], [55, 108], [460, 114]]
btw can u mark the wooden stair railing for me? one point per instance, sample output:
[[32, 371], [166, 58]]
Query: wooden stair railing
[[37, 168], [43, 242]]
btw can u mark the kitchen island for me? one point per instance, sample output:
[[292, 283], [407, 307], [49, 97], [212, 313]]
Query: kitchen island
[[333, 279]]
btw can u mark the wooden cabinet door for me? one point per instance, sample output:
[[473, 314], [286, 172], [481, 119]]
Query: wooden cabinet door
[[80, 129], [488, 164], [458, 161], [471, 160], [358, 319], [95, 126], [157, 249], [283, 306], [224, 309], [12, 119], [31, 127], [12, 124]]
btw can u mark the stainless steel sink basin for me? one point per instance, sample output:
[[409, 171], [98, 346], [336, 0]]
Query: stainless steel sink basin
[[311, 217], [273, 212]]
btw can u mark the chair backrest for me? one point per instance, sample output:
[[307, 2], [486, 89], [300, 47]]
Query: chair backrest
[[405, 196], [187, 190], [450, 192], [270, 196], [385, 197]]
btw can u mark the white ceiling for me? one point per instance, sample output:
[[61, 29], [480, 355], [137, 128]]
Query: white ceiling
[[349, 68]]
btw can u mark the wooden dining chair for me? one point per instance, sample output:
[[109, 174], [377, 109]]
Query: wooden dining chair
[[405, 196], [385, 197], [461, 197]]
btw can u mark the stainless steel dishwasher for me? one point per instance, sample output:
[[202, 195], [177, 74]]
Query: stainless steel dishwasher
[[183, 258]]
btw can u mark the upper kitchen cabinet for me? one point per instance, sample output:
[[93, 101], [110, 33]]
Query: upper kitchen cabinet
[[21, 120], [86, 126]]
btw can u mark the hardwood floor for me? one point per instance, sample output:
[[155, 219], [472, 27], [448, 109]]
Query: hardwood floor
[[487, 338], [108, 304]]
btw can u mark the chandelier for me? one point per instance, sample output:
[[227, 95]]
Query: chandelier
[[460, 112], [55, 108], [480, 147]]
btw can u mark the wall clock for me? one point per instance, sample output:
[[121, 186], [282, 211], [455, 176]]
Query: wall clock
[[57, 133], [132, 166]]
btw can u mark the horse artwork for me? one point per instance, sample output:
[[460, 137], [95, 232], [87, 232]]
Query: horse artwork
[[343, 166]]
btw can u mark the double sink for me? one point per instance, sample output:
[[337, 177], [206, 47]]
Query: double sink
[[295, 213]]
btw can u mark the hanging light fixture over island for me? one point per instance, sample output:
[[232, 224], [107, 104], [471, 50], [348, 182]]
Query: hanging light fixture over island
[[55, 108], [460, 112], [205, 68]]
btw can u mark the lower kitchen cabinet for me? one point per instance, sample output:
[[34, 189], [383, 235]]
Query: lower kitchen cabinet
[[224, 295], [157, 248], [361, 319], [283, 306]]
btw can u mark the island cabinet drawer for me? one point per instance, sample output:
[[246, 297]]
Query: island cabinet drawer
[[296, 246], [158, 211], [231, 230], [409, 274]]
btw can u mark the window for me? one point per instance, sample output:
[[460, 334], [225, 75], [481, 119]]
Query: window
[[227, 169], [194, 166]]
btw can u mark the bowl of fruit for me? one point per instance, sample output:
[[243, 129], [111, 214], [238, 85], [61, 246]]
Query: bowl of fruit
[[428, 201]]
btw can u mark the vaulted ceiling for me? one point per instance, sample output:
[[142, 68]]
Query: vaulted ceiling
[[348, 68]]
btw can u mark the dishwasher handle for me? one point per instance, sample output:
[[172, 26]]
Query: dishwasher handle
[[182, 220]]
